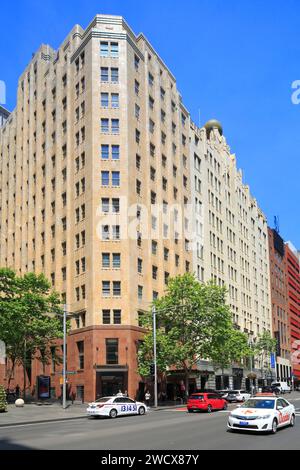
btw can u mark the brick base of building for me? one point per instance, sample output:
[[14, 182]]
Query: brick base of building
[[96, 378]]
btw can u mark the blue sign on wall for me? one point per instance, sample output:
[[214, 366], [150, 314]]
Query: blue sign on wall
[[273, 361]]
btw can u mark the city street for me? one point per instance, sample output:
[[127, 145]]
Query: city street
[[159, 430]]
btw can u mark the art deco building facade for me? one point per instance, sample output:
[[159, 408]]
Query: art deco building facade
[[99, 132], [109, 189], [230, 234]]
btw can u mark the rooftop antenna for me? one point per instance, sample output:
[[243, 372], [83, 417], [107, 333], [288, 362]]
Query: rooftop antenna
[[276, 223]]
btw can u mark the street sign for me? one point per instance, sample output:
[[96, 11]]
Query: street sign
[[71, 372]]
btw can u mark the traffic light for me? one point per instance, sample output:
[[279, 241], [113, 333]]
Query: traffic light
[[152, 369]]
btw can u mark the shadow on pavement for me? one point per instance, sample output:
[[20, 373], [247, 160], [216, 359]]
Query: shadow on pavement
[[7, 444]]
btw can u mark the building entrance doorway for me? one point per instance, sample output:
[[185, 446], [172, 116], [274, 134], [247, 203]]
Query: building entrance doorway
[[110, 383]]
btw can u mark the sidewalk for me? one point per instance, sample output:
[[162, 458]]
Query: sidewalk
[[43, 413], [34, 413]]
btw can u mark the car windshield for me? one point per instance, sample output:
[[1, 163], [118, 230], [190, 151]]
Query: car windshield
[[259, 404], [196, 397], [102, 400]]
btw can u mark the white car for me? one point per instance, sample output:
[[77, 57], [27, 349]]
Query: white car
[[237, 396], [262, 413], [282, 386], [116, 406]]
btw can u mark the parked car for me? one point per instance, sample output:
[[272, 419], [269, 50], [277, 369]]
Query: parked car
[[283, 387], [237, 396], [206, 402]]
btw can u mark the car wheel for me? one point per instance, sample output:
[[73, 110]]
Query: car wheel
[[274, 426], [209, 409], [142, 411], [293, 420], [190, 411], [113, 414]]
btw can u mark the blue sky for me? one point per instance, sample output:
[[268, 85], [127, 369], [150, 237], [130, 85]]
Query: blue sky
[[234, 60]]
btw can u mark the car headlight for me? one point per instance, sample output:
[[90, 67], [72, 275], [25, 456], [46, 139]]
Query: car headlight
[[264, 417]]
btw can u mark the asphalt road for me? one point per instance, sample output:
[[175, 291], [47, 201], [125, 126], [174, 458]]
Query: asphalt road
[[159, 430]]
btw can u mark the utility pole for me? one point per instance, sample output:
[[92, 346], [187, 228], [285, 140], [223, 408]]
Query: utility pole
[[65, 359], [154, 356]]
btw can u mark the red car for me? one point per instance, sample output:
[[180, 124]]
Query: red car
[[206, 402]]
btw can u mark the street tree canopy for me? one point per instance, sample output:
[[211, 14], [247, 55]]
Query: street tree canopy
[[193, 322], [26, 326]]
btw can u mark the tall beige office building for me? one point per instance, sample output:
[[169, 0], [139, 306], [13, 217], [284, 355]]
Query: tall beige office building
[[99, 132], [109, 189], [230, 238]]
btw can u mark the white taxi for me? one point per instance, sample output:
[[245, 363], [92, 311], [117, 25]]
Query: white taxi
[[262, 413], [116, 406]]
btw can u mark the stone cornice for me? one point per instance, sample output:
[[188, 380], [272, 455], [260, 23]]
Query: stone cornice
[[136, 329]]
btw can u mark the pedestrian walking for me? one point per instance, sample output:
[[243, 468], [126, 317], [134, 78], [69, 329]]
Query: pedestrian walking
[[147, 398]]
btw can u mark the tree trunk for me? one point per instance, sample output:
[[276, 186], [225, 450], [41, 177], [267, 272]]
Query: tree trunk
[[13, 362], [24, 381], [222, 379], [24, 372], [187, 383]]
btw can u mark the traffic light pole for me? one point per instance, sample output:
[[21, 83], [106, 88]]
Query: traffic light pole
[[154, 357]]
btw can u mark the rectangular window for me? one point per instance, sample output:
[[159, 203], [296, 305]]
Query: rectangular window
[[112, 351], [104, 74], [105, 205], [106, 288], [117, 317], [115, 150], [140, 266], [116, 232], [104, 51], [117, 288], [105, 232], [104, 126], [114, 75], [105, 152], [115, 126], [105, 260], [105, 178], [116, 206], [106, 317], [80, 349], [115, 100], [114, 49], [116, 178], [116, 260], [137, 111], [140, 292], [104, 100], [150, 79]]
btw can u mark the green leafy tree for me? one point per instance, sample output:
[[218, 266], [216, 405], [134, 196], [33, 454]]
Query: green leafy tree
[[264, 346], [192, 321], [232, 348], [30, 318]]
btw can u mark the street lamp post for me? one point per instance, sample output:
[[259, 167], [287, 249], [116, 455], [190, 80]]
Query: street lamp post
[[65, 358], [155, 357]]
